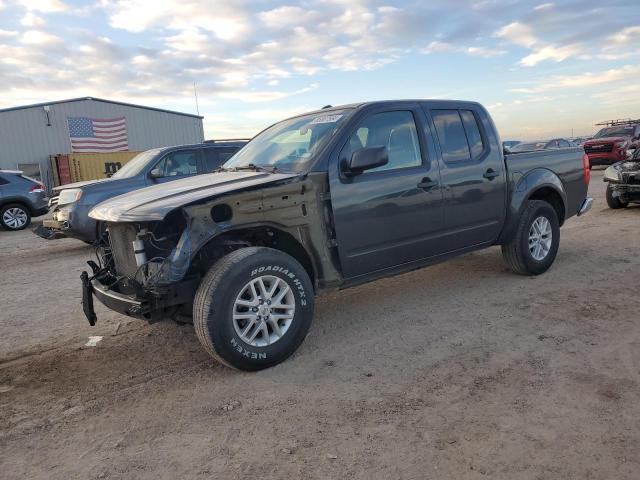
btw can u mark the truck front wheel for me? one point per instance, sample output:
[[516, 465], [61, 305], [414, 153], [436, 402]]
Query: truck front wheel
[[254, 308], [614, 201], [533, 247]]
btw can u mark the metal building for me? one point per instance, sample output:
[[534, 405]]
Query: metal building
[[30, 134]]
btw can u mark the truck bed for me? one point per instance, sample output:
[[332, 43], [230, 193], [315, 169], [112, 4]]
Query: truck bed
[[567, 163]]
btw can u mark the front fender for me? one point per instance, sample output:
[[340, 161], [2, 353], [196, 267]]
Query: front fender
[[523, 189]]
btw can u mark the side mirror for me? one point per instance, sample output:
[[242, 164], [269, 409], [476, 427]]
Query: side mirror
[[366, 159], [156, 173]]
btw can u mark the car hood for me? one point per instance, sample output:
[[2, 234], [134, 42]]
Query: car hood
[[67, 186], [155, 202], [595, 141]]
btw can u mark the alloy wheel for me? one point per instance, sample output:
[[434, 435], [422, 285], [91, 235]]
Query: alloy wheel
[[263, 311], [540, 237]]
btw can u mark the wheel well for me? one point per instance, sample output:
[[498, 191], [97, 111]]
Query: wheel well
[[15, 202], [553, 198], [255, 237]]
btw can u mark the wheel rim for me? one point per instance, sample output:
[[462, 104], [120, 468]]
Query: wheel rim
[[263, 311], [540, 237], [14, 217]]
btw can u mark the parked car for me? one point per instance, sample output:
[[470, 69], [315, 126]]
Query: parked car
[[623, 182], [21, 198], [73, 202], [611, 143], [509, 144], [553, 144], [579, 141], [328, 200]]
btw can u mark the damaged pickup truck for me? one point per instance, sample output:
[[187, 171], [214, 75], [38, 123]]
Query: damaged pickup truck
[[327, 200]]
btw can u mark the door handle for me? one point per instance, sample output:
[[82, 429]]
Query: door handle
[[490, 174], [427, 184]]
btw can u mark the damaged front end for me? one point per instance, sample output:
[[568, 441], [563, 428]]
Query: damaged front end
[[624, 179], [152, 269]]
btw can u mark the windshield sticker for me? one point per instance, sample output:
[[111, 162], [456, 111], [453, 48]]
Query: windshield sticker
[[326, 119]]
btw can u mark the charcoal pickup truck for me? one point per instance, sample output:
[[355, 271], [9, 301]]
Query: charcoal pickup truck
[[327, 200]]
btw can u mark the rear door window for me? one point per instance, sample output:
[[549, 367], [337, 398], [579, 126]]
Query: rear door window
[[474, 138], [184, 162], [451, 136]]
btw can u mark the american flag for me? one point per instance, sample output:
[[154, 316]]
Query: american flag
[[98, 134]]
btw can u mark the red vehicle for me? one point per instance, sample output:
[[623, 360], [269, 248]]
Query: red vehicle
[[611, 143]]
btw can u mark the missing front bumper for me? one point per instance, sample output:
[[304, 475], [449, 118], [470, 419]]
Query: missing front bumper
[[151, 307]]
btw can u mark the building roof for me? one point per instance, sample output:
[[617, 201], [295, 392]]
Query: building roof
[[80, 99]]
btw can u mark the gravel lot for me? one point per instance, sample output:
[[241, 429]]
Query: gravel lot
[[458, 371]]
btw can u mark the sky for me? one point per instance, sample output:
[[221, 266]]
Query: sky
[[542, 69]]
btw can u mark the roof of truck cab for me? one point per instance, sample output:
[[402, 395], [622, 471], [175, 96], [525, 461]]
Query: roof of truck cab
[[238, 143], [385, 102]]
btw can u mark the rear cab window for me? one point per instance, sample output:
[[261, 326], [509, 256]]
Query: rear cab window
[[459, 135]]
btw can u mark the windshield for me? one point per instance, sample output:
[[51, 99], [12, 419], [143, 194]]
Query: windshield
[[615, 132], [290, 145], [136, 164], [528, 147]]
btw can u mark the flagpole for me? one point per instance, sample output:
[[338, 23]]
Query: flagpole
[[195, 94]]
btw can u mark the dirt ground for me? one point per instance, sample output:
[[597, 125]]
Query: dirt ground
[[458, 371]]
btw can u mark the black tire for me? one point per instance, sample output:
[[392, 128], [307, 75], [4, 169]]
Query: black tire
[[614, 202], [516, 252], [214, 302], [12, 206]]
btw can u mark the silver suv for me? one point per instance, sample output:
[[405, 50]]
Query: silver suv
[[20, 198]]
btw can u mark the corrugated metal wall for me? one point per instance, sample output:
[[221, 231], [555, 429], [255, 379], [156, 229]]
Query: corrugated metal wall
[[25, 136]]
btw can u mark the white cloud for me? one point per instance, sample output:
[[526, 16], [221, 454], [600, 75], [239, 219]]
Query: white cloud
[[550, 52], [485, 52], [587, 79], [40, 38], [518, 33], [8, 33], [32, 20], [216, 16], [46, 6], [438, 47], [255, 96], [524, 36], [626, 36]]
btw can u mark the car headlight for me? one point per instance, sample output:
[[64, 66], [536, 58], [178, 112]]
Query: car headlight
[[611, 175], [69, 196]]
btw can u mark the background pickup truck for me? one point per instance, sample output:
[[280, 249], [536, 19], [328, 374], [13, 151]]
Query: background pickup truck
[[327, 200], [72, 202], [610, 144]]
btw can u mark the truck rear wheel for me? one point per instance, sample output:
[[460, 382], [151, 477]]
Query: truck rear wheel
[[614, 202], [534, 246], [254, 308]]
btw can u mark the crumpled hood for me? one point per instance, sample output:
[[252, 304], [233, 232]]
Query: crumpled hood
[[155, 202], [79, 184], [627, 166]]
